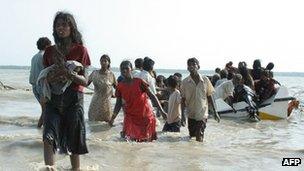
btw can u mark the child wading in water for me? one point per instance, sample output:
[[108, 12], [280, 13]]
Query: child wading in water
[[139, 121], [173, 122]]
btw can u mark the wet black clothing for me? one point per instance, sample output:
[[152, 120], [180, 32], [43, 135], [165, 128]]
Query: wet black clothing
[[64, 125]]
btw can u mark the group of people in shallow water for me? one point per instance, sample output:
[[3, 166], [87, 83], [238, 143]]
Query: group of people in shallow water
[[59, 74]]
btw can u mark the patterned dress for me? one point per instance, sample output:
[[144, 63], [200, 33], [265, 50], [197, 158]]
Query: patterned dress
[[100, 108]]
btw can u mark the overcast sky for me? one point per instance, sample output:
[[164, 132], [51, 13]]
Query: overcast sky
[[168, 31]]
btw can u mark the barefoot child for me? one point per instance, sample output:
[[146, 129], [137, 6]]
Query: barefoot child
[[139, 121], [174, 106]]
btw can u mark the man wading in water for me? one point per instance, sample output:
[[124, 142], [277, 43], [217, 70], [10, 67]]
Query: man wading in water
[[196, 91]]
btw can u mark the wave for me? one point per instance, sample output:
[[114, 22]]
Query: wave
[[22, 121], [28, 143]]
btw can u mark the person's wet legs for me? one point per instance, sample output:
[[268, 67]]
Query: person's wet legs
[[200, 130], [191, 127], [197, 129], [75, 162], [40, 121], [48, 154]]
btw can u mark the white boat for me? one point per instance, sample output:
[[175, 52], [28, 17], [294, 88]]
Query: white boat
[[274, 108]]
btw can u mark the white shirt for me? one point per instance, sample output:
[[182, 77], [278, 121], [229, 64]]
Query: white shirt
[[146, 76], [196, 96], [136, 72], [174, 107], [224, 90], [220, 82]]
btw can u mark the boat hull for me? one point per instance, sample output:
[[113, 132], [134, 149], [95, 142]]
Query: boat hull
[[274, 108]]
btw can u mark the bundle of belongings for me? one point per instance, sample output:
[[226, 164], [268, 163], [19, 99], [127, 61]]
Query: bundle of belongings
[[57, 87]]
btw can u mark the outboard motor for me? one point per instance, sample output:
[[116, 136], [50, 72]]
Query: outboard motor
[[246, 94]]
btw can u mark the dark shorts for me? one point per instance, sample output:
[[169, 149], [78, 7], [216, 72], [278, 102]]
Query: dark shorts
[[172, 127], [64, 126], [196, 128]]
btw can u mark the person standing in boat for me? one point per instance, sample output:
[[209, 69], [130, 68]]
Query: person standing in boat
[[269, 67], [256, 70], [196, 92], [104, 81], [247, 79]]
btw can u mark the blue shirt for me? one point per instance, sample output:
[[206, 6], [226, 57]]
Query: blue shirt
[[36, 67]]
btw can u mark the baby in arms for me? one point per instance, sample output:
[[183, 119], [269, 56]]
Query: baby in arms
[[57, 77]]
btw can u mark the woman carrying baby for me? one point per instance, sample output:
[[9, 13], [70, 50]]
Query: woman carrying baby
[[64, 127]]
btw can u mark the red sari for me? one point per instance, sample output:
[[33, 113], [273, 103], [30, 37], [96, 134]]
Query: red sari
[[139, 121]]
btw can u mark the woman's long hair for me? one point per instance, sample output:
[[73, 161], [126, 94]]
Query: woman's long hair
[[75, 34]]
